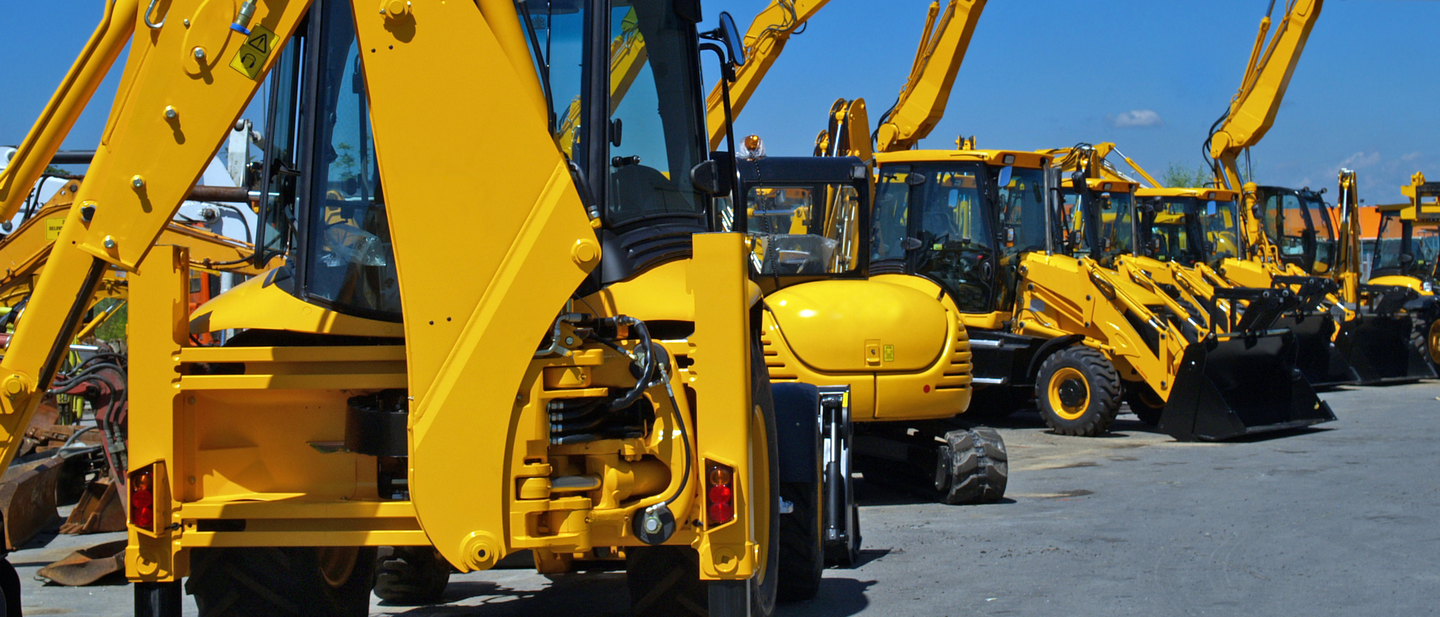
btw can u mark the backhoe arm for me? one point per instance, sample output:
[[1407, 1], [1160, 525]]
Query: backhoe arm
[[1253, 108], [60, 114], [766, 38], [923, 98], [183, 88], [1347, 262]]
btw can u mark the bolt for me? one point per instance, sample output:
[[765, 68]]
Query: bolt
[[138, 182], [199, 53], [186, 22], [170, 113], [109, 242]]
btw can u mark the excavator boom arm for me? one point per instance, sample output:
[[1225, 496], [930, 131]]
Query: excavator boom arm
[[923, 99], [1253, 109], [766, 38]]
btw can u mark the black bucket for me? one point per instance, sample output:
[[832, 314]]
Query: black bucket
[[1241, 386], [1379, 348], [1316, 355]]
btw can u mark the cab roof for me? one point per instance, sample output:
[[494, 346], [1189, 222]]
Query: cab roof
[[1020, 158], [1202, 193]]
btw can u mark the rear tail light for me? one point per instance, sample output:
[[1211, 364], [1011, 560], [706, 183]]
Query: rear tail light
[[720, 493], [142, 500]]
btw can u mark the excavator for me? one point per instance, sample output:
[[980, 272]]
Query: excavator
[[633, 415], [901, 355], [1282, 240]]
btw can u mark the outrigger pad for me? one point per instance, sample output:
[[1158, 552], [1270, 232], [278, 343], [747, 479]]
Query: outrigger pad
[[1238, 387], [1320, 360], [1379, 348]]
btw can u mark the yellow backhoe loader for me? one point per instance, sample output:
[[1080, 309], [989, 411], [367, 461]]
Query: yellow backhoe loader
[[595, 387], [899, 351], [1277, 229], [1403, 268]]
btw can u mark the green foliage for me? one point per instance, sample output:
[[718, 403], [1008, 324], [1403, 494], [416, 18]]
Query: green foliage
[[51, 170], [1180, 176], [114, 328]]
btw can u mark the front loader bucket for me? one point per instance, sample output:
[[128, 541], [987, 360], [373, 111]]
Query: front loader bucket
[[1240, 387], [1379, 348], [1316, 356]]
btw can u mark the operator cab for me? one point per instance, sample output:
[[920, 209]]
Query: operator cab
[[806, 217], [632, 145], [1405, 247], [961, 219], [1302, 226], [1190, 226], [1097, 218]]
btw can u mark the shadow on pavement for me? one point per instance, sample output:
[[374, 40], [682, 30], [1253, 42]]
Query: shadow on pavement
[[838, 597]]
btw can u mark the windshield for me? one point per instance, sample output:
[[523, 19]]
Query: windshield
[[1112, 235], [942, 209], [1221, 225], [655, 108], [1299, 223], [1389, 245], [1172, 236], [805, 230]]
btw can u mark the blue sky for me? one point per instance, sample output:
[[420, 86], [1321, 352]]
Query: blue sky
[[1039, 74]]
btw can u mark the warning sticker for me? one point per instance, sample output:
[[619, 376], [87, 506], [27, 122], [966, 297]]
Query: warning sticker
[[256, 50], [889, 353], [52, 228]]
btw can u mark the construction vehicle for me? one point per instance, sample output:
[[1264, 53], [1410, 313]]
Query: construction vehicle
[[632, 416], [1403, 265], [1045, 316], [1374, 343], [890, 342]]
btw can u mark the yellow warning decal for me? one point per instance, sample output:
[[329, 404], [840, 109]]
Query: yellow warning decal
[[256, 50], [889, 353], [52, 228]]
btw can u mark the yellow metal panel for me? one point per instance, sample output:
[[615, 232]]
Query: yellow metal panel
[[435, 87], [721, 378], [260, 303], [833, 325]]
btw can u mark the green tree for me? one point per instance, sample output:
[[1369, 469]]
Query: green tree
[[51, 170], [1180, 176]]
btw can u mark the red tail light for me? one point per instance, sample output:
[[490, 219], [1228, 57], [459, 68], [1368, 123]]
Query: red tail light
[[142, 500], [721, 494]]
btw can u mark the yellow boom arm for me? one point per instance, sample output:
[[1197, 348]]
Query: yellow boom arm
[[766, 38], [922, 101], [1253, 108]]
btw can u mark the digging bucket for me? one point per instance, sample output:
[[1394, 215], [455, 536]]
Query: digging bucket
[[1240, 386], [1316, 356], [1379, 348]]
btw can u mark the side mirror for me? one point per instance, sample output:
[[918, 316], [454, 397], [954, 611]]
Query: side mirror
[[714, 176], [1406, 259], [730, 36], [911, 244], [1210, 208], [1005, 174]]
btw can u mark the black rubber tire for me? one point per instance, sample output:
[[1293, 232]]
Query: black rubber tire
[[1420, 338], [243, 582], [9, 589], [664, 581], [802, 549], [1142, 400], [978, 467], [1102, 391], [410, 575]]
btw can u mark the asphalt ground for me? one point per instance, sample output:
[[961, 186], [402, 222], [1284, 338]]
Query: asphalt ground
[[1335, 520]]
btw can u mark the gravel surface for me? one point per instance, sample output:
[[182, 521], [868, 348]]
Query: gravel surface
[[1335, 520]]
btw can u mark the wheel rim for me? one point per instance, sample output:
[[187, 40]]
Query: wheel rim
[[1069, 394], [1432, 342], [337, 563], [759, 509], [1150, 399]]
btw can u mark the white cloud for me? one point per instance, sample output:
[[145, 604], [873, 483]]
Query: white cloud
[[1359, 160], [1412, 156], [1134, 118]]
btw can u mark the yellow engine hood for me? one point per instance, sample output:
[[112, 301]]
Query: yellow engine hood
[[845, 326]]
